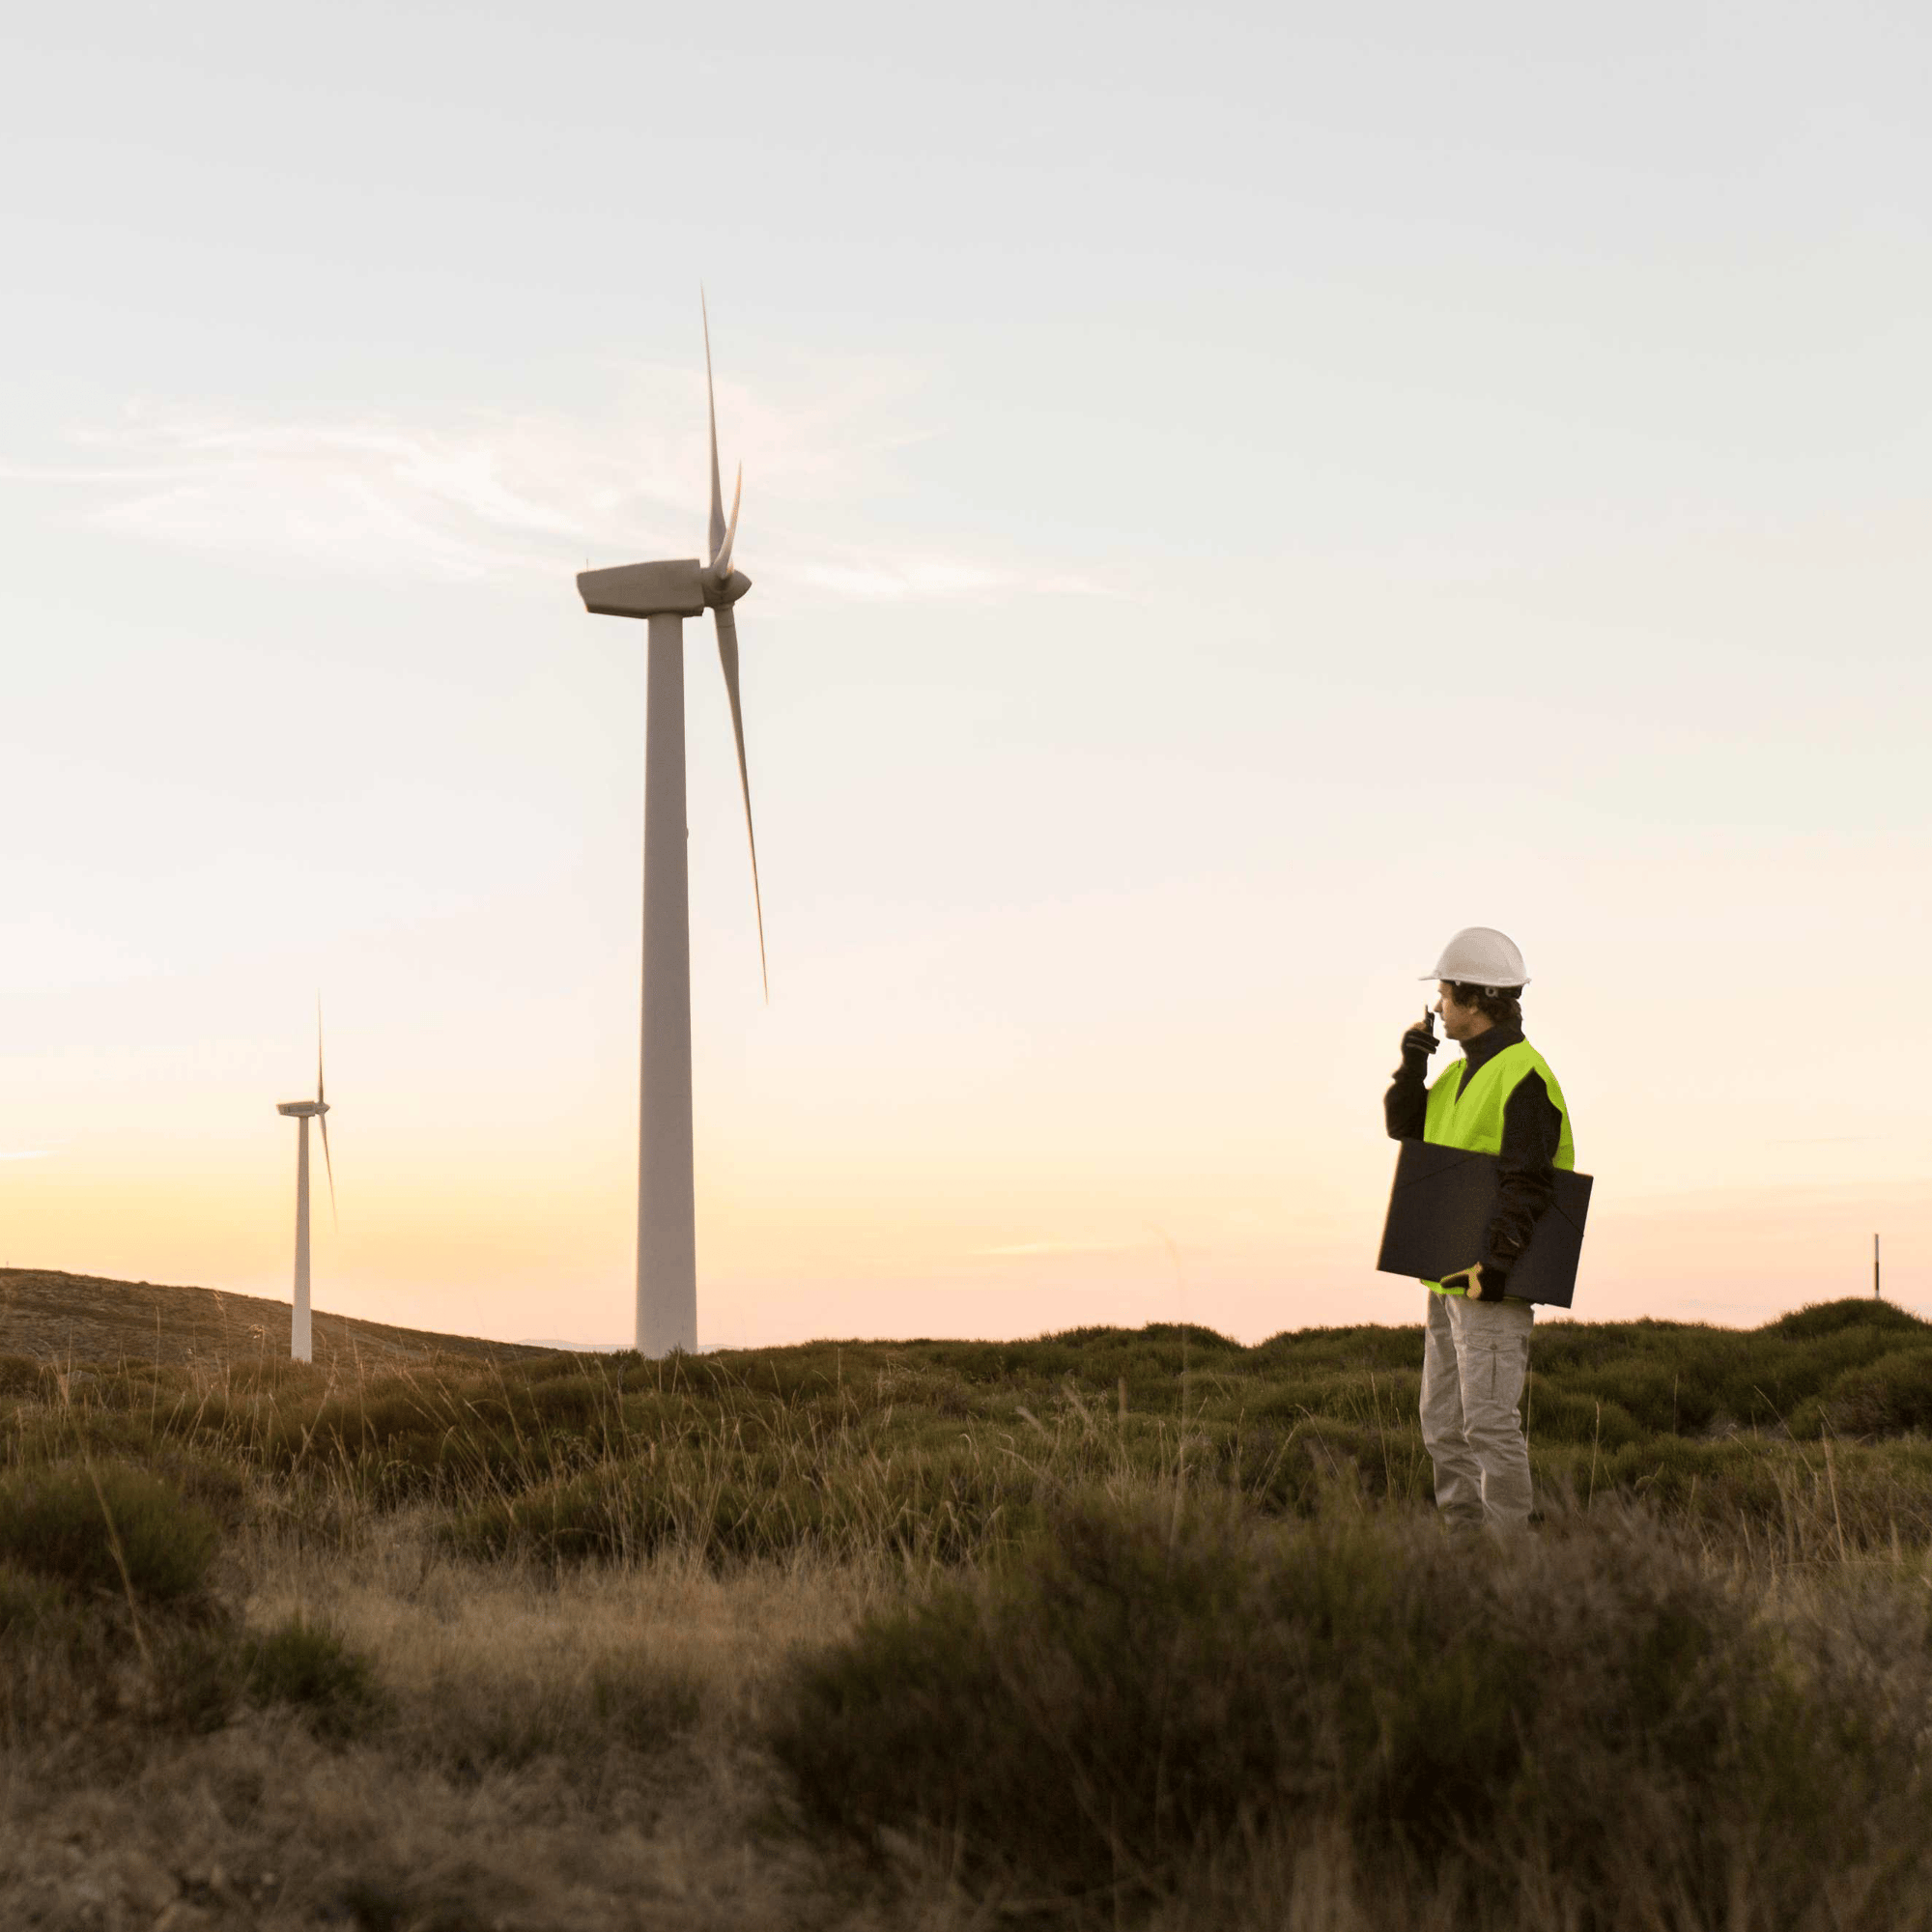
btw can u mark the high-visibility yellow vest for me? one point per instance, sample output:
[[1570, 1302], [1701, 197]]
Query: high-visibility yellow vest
[[1467, 1111]]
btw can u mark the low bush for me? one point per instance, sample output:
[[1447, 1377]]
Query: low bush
[[307, 1665], [1556, 1414], [1887, 1397], [108, 1528], [1140, 1696], [21, 1375], [1853, 1314], [68, 1660], [192, 1679]]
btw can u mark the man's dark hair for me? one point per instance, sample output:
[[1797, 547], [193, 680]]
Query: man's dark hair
[[1499, 1004]]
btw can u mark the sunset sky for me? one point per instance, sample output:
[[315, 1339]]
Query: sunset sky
[[1232, 495]]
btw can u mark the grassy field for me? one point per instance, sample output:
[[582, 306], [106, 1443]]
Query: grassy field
[[1102, 1627]]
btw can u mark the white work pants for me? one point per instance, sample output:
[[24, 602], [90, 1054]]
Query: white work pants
[[1474, 1364]]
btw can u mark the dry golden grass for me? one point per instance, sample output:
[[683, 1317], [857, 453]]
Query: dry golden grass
[[508, 1784], [584, 1750]]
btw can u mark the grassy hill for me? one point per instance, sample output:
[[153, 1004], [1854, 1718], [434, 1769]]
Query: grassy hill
[[77, 1318], [1110, 1627]]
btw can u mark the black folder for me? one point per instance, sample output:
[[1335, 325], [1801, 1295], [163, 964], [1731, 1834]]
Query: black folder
[[1440, 1213]]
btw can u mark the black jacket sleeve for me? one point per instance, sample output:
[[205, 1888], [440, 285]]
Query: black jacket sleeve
[[1532, 1131], [1405, 1104]]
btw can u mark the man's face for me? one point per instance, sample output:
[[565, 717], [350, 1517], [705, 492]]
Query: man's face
[[1459, 1022]]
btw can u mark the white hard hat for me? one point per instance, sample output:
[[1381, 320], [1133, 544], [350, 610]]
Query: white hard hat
[[1479, 955]]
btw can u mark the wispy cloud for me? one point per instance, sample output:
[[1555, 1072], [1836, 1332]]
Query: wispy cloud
[[27, 1154], [482, 495], [469, 493]]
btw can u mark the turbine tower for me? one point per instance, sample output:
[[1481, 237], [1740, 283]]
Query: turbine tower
[[665, 595], [301, 1346]]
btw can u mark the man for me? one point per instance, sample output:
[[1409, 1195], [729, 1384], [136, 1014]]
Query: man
[[1499, 1098]]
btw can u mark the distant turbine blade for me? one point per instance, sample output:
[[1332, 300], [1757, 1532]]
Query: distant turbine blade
[[321, 1121], [722, 565], [711, 407], [318, 1051], [727, 657]]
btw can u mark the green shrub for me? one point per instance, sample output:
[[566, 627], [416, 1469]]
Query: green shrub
[[1553, 1413], [196, 1678], [1136, 1702], [1357, 1395], [21, 1375], [308, 1666], [571, 1402], [82, 1526], [1835, 1317], [65, 1662], [1306, 1352], [1886, 1397], [1557, 1414], [1644, 1393], [216, 1484]]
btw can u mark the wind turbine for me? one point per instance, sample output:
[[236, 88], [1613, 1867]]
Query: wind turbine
[[301, 1348], [665, 595]]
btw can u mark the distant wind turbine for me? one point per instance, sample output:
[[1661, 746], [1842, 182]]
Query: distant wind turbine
[[665, 595], [301, 1346]]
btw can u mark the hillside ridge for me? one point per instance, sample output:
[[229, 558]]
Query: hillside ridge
[[54, 1317]]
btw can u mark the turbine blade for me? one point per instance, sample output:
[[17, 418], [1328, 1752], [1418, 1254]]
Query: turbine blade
[[728, 658], [722, 565], [318, 1049], [321, 1121], [711, 409]]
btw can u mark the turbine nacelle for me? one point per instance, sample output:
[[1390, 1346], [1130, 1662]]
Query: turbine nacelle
[[681, 587], [302, 1109], [673, 590]]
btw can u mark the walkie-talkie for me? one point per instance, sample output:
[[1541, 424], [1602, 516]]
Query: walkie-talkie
[[1425, 1034]]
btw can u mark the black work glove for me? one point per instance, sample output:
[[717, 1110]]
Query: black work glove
[[1418, 1043]]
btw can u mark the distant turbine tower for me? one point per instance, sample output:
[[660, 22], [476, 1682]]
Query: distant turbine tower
[[301, 1348], [665, 595]]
